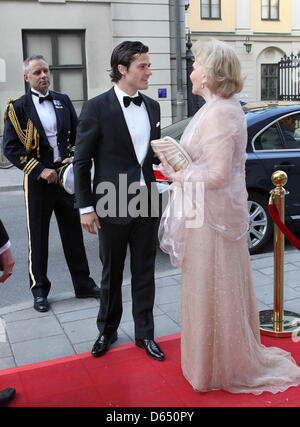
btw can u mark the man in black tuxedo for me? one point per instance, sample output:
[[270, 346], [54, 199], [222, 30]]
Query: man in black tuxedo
[[6, 266], [39, 136], [115, 129]]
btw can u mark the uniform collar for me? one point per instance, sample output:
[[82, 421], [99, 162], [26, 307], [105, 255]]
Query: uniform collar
[[39, 93]]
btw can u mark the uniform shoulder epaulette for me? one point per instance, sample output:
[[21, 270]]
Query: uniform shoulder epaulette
[[8, 102], [29, 136]]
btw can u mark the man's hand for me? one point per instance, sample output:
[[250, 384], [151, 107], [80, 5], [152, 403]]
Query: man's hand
[[50, 175], [88, 220], [7, 263], [67, 160]]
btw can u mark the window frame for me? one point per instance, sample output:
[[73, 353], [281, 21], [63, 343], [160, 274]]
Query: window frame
[[269, 12], [210, 18], [268, 77], [284, 132], [55, 67], [276, 122], [264, 130]]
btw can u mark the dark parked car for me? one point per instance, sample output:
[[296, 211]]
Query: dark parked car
[[273, 144]]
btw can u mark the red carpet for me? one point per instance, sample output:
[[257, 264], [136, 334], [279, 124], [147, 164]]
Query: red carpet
[[125, 377]]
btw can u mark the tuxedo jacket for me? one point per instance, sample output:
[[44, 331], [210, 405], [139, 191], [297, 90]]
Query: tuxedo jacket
[[103, 135], [34, 162], [3, 235]]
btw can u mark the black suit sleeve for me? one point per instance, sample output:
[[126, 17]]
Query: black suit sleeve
[[3, 235], [87, 138]]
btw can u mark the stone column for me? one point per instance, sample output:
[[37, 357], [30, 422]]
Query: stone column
[[243, 17], [296, 18]]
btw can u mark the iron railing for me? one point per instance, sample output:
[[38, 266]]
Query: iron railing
[[289, 78]]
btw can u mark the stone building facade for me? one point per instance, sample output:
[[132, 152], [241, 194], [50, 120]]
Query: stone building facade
[[77, 38], [271, 27]]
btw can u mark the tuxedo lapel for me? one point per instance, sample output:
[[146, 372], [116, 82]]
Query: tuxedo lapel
[[33, 115], [119, 119], [150, 112]]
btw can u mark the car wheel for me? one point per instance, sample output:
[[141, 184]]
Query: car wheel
[[260, 223]]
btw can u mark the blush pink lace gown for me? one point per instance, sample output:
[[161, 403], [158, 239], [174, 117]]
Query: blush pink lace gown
[[220, 338]]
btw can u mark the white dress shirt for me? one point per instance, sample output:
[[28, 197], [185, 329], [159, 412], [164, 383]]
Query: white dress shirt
[[47, 117], [5, 247], [138, 124]]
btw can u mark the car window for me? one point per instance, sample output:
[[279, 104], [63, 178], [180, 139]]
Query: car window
[[290, 127], [176, 129], [269, 139]]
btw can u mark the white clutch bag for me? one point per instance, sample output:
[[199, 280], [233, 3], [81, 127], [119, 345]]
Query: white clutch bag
[[175, 155]]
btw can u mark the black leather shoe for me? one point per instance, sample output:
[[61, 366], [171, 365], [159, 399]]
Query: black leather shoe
[[152, 349], [92, 292], [41, 304], [6, 396], [102, 344]]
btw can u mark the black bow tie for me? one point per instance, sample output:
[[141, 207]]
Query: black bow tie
[[137, 100], [43, 98]]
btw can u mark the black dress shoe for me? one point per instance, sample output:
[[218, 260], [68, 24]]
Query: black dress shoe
[[41, 304], [92, 292], [6, 396], [152, 349], [102, 344]]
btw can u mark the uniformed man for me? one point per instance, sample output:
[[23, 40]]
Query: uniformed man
[[39, 136]]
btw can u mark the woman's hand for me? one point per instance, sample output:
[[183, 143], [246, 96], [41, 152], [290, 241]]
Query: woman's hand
[[167, 170]]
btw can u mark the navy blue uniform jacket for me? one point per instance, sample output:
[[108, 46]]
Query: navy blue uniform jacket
[[34, 162]]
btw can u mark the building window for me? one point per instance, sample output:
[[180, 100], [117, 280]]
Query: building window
[[269, 81], [210, 9], [65, 53], [270, 9]]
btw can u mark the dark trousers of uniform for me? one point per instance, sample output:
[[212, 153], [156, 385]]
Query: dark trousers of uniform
[[114, 239], [41, 200]]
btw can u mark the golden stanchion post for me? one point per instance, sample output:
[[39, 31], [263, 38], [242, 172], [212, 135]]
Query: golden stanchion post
[[277, 322]]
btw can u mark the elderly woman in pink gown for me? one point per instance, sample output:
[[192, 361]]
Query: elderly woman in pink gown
[[220, 338]]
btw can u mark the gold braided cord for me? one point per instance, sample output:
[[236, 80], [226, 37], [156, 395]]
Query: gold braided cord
[[30, 138], [60, 177], [8, 102]]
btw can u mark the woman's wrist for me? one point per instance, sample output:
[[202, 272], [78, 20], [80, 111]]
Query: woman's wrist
[[177, 176]]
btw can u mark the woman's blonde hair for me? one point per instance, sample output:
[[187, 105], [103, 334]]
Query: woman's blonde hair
[[220, 65]]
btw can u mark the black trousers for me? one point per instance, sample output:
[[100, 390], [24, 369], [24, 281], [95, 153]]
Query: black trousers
[[41, 200], [140, 236]]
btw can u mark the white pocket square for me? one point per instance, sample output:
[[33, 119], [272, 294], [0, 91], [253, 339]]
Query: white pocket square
[[157, 124]]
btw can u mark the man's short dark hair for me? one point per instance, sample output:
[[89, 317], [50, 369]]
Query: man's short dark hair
[[125, 53]]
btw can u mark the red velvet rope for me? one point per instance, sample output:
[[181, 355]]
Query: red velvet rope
[[276, 218]]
